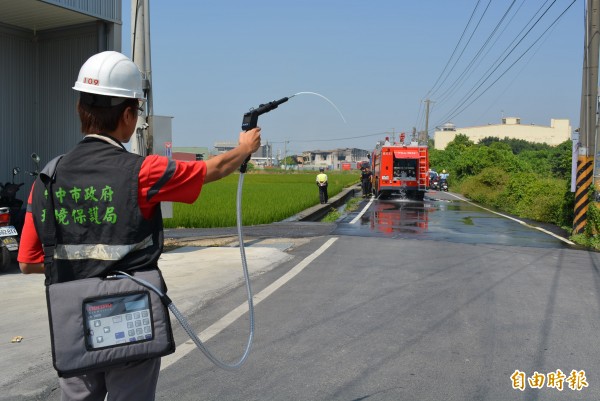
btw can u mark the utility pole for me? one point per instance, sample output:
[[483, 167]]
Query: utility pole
[[426, 139], [587, 171], [140, 51], [424, 135], [592, 100], [427, 101], [153, 134]]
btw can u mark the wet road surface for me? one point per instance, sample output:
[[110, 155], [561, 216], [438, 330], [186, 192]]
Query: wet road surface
[[440, 217], [405, 320]]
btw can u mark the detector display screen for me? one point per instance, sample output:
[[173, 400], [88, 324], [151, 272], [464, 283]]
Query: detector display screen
[[118, 320]]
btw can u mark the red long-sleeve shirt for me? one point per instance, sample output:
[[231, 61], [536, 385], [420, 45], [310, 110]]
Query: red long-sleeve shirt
[[184, 186]]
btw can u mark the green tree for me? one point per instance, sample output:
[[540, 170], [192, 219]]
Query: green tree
[[445, 159], [459, 144], [561, 159], [487, 141], [476, 158], [516, 145], [530, 180], [290, 161]]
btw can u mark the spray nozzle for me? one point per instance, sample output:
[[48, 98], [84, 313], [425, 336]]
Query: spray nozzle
[[251, 121], [251, 118]]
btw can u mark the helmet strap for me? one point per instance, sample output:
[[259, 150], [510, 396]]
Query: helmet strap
[[92, 99]]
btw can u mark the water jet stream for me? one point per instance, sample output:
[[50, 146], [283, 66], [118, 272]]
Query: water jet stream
[[330, 102]]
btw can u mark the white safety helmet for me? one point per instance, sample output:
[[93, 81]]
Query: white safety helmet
[[110, 74]]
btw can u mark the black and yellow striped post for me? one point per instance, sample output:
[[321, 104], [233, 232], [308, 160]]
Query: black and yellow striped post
[[585, 173]]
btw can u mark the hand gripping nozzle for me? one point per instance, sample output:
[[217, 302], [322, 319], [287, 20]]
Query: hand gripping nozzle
[[250, 121]]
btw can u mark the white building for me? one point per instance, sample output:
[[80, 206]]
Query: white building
[[262, 157], [332, 159], [511, 127]]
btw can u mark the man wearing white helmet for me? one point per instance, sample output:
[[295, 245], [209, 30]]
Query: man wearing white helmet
[[107, 206]]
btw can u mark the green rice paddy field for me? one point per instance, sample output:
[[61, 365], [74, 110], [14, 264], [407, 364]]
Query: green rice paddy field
[[267, 197]]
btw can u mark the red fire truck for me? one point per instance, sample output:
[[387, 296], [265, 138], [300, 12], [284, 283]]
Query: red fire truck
[[400, 168]]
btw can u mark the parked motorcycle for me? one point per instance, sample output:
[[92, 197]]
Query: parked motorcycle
[[435, 184], [10, 209], [12, 216], [8, 197], [8, 239], [16, 205]]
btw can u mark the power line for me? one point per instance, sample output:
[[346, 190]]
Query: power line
[[507, 87], [470, 38], [471, 92], [517, 60], [481, 49], [454, 51], [502, 32], [338, 139]]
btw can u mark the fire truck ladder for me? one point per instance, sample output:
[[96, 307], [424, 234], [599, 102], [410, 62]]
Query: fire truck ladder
[[422, 168]]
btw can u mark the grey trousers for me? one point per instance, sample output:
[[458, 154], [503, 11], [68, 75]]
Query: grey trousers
[[130, 382]]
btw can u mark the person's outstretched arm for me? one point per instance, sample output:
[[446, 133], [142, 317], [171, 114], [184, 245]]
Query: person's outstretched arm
[[226, 163]]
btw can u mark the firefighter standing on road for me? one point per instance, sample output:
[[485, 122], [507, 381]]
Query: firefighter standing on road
[[119, 228], [365, 179], [322, 184]]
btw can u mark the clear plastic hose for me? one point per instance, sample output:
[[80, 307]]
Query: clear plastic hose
[[183, 321]]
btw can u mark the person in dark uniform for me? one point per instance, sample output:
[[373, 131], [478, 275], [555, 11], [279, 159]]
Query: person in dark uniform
[[365, 181], [107, 207]]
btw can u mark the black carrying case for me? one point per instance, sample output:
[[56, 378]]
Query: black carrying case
[[71, 354]]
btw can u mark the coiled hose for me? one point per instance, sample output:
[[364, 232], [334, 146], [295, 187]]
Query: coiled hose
[[183, 321]]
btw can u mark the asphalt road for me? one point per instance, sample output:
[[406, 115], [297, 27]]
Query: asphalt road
[[408, 314], [387, 319]]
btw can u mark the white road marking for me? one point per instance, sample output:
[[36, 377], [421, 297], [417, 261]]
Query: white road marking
[[354, 220], [185, 348], [517, 220]]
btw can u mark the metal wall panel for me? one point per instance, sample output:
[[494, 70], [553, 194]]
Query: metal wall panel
[[17, 107], [37, 102], [60, 55], [109, 10], [37, 72]]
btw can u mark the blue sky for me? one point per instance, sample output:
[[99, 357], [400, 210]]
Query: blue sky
[[375, 60]]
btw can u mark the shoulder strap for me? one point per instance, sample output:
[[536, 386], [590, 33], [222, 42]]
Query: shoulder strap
[[47, 177]]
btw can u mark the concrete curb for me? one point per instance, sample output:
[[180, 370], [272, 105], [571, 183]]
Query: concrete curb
[[318, 212]]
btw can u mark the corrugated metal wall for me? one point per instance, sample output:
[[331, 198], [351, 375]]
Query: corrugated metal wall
[[37, 104], [17, 106], [108, 10], [61, 54]]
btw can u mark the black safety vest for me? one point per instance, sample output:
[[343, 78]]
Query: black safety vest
[[99, 225]]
